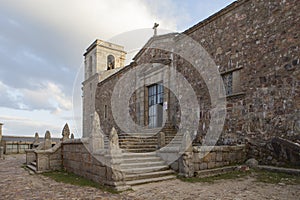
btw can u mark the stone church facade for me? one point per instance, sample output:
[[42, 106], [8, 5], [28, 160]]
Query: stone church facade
[[254, 46], [256, 50]]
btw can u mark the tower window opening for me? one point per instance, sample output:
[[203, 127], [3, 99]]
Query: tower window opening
[[110, 62], [105, 111]]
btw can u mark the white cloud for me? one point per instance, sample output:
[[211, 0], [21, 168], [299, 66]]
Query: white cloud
[[41, 47], [12, 126], [46, 96], [76, 19]]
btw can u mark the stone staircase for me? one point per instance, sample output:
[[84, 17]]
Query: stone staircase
[[138, 143], [146, 142], [32, 166], [140, 168]]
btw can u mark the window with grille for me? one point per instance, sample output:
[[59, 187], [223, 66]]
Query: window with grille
[[155, 102], [231, 81]]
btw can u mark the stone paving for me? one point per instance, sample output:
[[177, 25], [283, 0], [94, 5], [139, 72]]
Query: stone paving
[[246, 189], [17, 183]]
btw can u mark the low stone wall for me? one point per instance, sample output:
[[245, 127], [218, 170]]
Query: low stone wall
[[218, 156], [1, 152], [207, 157], [78, 160], [286, 151], [275, 151], [30, 156], [50, 159], [11, 147]]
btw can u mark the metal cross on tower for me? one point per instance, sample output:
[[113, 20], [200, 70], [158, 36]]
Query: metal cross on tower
[[155, 28]]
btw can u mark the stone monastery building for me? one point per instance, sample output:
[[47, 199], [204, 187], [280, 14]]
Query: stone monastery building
[[225, 90], [255, 46]]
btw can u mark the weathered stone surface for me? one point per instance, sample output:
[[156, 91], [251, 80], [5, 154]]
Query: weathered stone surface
[[17, 183], [252, 163], [47, 141], [203, 166], [264, 61], [66, 132], [36, 139]]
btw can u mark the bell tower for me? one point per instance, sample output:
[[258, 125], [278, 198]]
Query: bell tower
[[101, 59]]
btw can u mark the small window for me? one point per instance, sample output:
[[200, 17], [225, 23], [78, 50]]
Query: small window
[[110, 62], [231, 81], [227, 80], [105, 111]]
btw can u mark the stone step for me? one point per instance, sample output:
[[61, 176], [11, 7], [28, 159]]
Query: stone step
[[33, 163], [130, 177], [136, 140], [138, 155], [31, 167], [142, 164], [137, 170], [138, 146], [141, 159], [149, 180], [148, 150], [139, 135], [145, 132]]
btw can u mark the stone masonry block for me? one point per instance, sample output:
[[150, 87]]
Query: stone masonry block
[[203, 166]]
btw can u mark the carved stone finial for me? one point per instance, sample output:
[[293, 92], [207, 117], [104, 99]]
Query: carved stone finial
[[36, 138], [96, 137], [48, 141], [113, 139], [66, 132], [47, 135], [186, 144]]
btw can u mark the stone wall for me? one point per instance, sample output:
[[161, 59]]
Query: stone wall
[[260, 40], [11, 147], [276, 151], [47, 160], [198, 158], [257, 43], [78, 160], [219, 156]]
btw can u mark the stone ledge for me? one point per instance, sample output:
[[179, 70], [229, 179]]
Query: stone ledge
[[280, 169], [224, 148], [73, 141], [49, 151], [215, 171]]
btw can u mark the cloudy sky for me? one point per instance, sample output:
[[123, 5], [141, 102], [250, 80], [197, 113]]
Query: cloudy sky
[[41, 47]]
